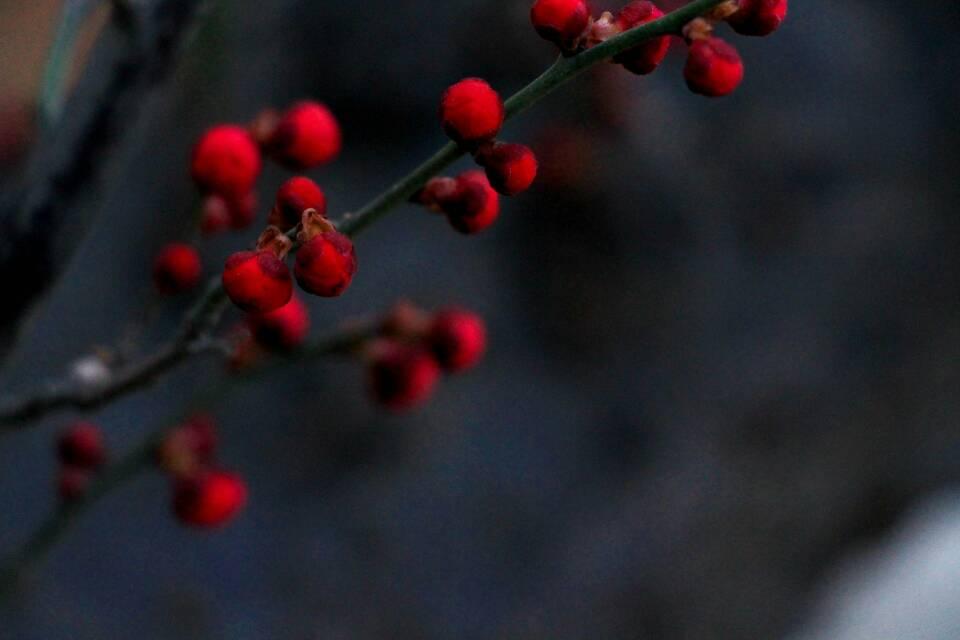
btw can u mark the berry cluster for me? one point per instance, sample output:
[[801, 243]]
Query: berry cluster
[[225, 164], [81, 453], [227, 158], [204, 495], [414, 347], [472, 113], [713, 66]]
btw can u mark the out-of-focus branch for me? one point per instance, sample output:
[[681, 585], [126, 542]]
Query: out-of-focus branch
[[140, 458], [43, 219], [193, 339]]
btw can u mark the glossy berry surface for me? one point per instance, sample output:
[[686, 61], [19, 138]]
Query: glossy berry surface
[[758, 17], [81, 445], [326, 264], [402, 376], [226, 161], [713, 68], [257, 281], [295, 196], [283, 329], [511, 168], [209, 498], [458, 339], [646, 57], [471, 111], [307, 135], [562, 22], [177, 268]]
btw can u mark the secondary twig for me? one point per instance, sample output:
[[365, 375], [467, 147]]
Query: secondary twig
[[139, 459], [145, 371]]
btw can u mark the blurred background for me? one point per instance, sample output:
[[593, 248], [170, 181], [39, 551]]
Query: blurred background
[[722, 391]]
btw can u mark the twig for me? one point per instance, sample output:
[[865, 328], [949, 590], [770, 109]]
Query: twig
[[193, 339], [43, 218], [118, 474], [563, 70]]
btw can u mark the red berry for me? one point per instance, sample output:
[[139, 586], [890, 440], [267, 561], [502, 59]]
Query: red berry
[[72, 483], [228, 212], [81, 445], [645, 57], [474, 205], [511, 168], [257, 281], [226, 161], [283, 329], [562, 22], [209, 498], [458, 339], [177, 268], [401, 375], [215, 215], [188, 446], [758, 17], [295, 196], [325, 264], [713, 68], [471, 111], [242, 210], [307, 136]]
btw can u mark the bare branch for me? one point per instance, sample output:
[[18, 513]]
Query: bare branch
[[43, 220]]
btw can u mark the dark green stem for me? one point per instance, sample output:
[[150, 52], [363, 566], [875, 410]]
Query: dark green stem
[[559, 73]]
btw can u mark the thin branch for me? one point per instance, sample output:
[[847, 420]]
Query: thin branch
[[561, 72], [43, 218], [193, 339], [141, 458], [199, 321]]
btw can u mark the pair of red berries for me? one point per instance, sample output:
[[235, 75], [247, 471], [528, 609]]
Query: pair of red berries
[[81, 452], [472, 114], [203, 494], [713, 67], [226, 160], [259, 281], [415, 347]]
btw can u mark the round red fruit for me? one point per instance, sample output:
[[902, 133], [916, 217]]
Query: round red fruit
[[226, 161], [257, 281], [402, 376], [474, 204], [511, 168], [645, 57], [326, 264], [713, 68], [307, 135], [177, 268], [208, 499], [295, 196], [81, 445], [458, 339], [471, 111], [562, 22], [283, 329], [758, 17]]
